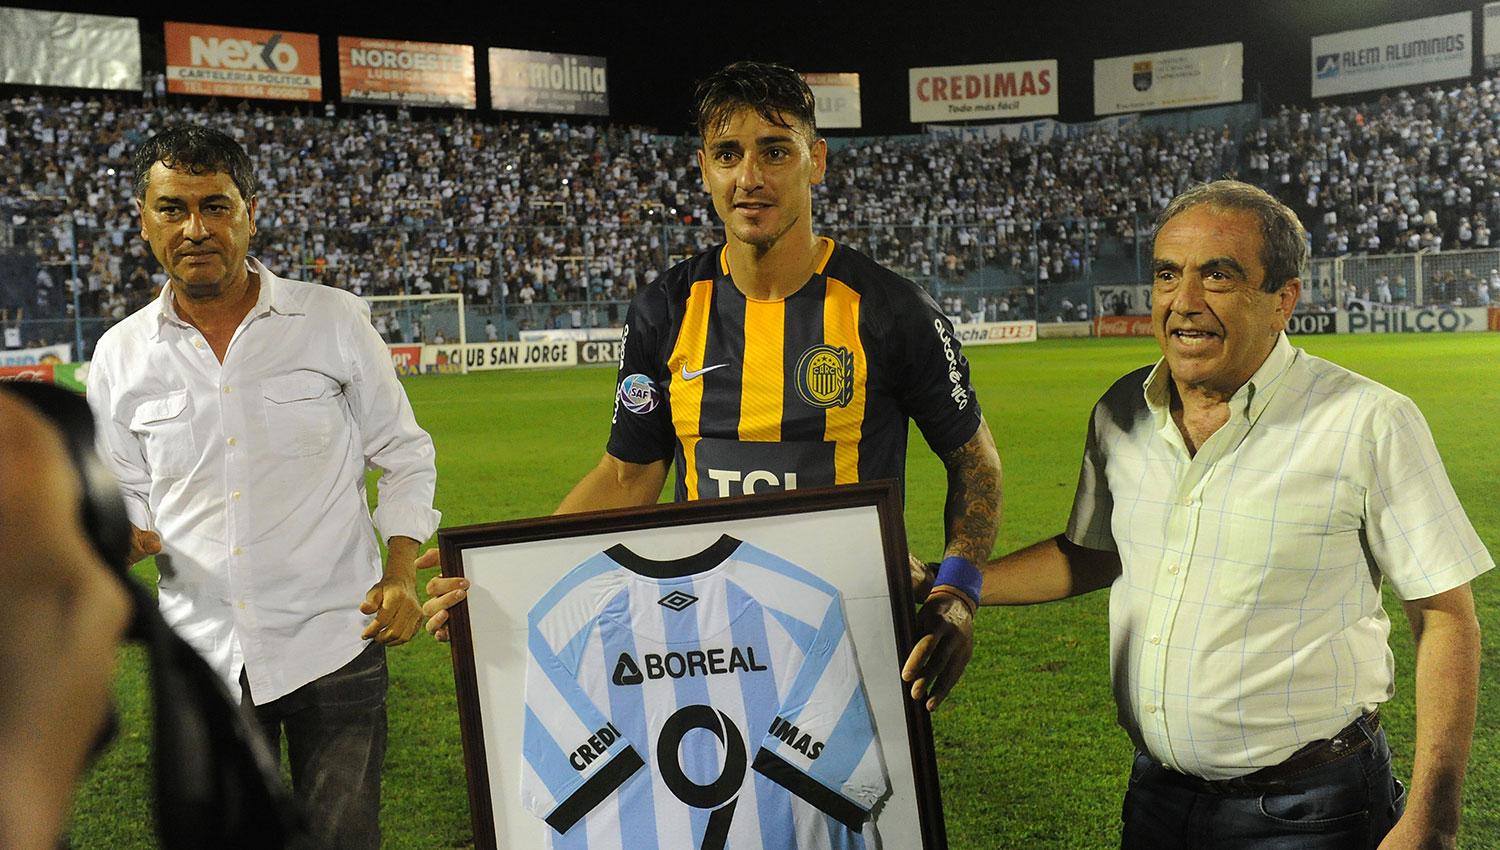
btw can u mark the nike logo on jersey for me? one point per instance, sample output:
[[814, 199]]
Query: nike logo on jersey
[[688, 376]]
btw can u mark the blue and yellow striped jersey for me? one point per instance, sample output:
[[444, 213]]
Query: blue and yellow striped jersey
[[814, 389]]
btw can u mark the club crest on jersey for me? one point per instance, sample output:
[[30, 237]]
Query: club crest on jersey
[[825, 376], [638, 393]]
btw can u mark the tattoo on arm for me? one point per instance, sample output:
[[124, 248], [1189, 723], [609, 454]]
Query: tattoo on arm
[[971, 515]]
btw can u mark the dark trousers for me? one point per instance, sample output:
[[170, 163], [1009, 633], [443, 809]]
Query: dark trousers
[[1348, 804], [335, 734]]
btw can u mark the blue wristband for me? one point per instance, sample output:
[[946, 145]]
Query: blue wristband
[[960, 574]]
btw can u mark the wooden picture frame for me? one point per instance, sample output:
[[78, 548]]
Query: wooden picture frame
[[834, 533]]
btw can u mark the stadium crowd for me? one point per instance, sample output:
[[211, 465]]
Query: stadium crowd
[[533, 212]]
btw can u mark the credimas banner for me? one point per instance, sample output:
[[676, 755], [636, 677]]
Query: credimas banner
[[242, 63], [414, 73], [1402, 54], [983, 92]]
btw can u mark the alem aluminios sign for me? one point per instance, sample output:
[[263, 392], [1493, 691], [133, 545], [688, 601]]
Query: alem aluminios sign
[[1400, 54]]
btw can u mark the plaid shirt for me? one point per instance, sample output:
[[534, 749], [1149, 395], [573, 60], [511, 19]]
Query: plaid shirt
[[1248, 620]]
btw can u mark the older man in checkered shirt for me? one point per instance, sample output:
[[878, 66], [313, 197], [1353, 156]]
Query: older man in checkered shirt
[[1244, 501]]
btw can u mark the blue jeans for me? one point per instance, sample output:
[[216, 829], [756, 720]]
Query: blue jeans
[[335, 736], [1348, 804]]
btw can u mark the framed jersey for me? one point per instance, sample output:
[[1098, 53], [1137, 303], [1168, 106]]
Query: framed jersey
[[696, 676]]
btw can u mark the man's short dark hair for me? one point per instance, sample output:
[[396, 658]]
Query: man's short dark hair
[[776, 93], [196, 150], [1283, 249]]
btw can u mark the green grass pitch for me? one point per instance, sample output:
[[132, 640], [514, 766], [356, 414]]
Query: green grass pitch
[[1030, 756]]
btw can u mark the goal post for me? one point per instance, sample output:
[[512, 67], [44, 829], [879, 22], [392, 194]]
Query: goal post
[[408, 320]]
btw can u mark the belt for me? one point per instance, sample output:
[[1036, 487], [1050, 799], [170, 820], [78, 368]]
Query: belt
[[1346, 742]]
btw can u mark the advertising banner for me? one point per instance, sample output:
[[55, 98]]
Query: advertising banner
[[1064, 330], [73, 376], [995, 333], [1491, 24], [979, 92], [414, 73], [1400, 54], [60, 353], [481, 356], [534, 81], [1040, 131], [242, 63], [1312, 323], [40, 48], [600, 351], [576, 334], [838, 100], [35, 372], [407, 359], [595, 345], [1414, 320], [1123, 326], [1122, 299], [1170, 79]]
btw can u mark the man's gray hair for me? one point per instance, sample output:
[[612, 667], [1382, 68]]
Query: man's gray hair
[[1283, 251]]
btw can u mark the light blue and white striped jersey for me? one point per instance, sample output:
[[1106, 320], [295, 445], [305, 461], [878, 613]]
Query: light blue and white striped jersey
[[705, 703]]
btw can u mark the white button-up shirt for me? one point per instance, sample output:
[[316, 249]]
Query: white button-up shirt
[[253, 473], [1247, 621]]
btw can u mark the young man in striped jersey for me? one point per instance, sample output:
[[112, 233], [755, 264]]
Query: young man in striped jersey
[[782, 360]]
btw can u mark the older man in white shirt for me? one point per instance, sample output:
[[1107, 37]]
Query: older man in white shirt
[[239, 411], [1244, 501]]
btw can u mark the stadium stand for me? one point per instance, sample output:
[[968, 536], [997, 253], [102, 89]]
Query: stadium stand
[[555, 224]]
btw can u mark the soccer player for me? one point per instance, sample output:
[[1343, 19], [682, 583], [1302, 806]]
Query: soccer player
[[239, 410], [782, 360], [1245, 501]]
